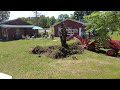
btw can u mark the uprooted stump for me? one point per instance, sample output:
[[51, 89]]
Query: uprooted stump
[[37, 50], [58, 51]]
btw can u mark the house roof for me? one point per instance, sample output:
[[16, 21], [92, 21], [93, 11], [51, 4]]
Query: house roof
[[17, 21], [17, 26], [70, 20]]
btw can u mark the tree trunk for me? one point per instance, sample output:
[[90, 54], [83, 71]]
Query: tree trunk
[[63, 35]]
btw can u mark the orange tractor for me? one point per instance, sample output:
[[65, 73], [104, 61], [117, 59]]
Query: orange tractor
[[114, 45]]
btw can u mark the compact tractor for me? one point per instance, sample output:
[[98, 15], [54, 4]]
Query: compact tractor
[[113, 45]]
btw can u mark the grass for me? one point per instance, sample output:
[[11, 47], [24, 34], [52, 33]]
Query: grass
[[16, 61], [115, 36]]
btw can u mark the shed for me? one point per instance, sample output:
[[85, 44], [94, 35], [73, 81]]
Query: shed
[[72, 27], [14, 29]]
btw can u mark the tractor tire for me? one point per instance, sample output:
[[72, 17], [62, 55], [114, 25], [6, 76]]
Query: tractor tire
[[110, 53]]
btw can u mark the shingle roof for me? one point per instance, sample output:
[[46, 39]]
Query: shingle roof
[[71, 20], [17, 21]]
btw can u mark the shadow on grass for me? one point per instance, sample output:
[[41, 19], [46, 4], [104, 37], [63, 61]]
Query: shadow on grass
[[12, 40], [9, 40], [104, 52]]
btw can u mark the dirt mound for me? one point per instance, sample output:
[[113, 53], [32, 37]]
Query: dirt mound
[[58, 51]]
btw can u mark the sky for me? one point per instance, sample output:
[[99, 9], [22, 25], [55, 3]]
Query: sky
[[17, 14]]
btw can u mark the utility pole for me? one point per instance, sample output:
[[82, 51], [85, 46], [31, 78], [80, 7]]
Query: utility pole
[[36, 17], [36, 13]]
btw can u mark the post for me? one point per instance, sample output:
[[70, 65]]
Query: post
[[80, 31]]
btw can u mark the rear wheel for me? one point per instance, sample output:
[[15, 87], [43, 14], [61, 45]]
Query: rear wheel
[[110, 53]]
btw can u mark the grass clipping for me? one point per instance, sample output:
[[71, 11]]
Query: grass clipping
[[57, 52]]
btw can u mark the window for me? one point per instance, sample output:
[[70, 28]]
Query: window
[[69, 30], [72, 31]]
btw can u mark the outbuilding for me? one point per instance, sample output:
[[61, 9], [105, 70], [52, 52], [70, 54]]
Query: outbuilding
[[15, 29], [72, 27]]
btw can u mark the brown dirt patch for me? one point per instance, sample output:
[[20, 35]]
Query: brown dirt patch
[[57, 52]]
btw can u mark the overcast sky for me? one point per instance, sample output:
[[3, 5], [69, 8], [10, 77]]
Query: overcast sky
[[17, 14]]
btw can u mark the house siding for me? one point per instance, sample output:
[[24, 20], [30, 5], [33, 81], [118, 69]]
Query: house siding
[[68, 23], [12, 31]]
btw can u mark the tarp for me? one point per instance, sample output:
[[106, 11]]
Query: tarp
[[37, 27]]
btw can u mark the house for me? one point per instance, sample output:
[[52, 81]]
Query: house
[[72, 27], [15, 29]]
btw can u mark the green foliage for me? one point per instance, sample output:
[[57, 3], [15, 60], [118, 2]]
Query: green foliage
[[79, 14], [62, 17], [4, 15], [72, 16], [42, 21], [48, 22], [103, 22], [52, 20]]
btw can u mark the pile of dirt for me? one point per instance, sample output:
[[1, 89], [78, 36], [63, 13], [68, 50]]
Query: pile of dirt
[[58, 51]]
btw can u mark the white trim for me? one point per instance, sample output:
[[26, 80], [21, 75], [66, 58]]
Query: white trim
[[80, 31], [17, 26], [71, 31]]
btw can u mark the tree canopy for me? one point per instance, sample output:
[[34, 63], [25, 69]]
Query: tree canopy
[[62, 17], [80, 14], [104, 22], [4, 15]]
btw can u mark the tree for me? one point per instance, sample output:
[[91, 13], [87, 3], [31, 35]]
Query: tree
[[63, 35], [4, 15], [79, 14], [62, 16], [31, 20], [37, 14], [48, 22], [52, 20], [72, 16], [104, 22], [43, 21]]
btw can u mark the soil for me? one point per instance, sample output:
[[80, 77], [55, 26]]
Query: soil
[[57, 52]]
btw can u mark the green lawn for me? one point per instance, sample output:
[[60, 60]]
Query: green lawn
[[16, 61], [115, 36]]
